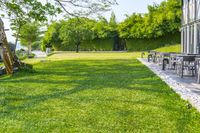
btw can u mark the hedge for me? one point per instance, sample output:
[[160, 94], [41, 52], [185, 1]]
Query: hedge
[[149, 44]]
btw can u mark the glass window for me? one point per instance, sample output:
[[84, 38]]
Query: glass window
[[198, 8], [185, 11], [198, 39], [191, 10], [185, 40], [191, 38]]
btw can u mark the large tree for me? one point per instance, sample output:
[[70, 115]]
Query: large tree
[[29, 33], [76, 30], [51, 37], [22, 11], [161, 19]]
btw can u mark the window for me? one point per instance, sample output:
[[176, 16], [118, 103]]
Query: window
[[198, 8], [191, 40], [185, 11], [184, 39], [191, 10], [198, 39]]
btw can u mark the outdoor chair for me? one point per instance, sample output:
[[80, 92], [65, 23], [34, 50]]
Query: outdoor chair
[[152, 56], [173, 59], [164, 59], [186, 62]]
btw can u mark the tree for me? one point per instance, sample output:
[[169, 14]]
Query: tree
[[76, 30], [22, 11], [29, 33], [51, 37], [113, 22], [161, 19]]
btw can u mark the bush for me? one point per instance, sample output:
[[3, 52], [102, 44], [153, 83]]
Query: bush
[[32, 55], [94, 45], [22, 54], [149, 44], [98, 45]]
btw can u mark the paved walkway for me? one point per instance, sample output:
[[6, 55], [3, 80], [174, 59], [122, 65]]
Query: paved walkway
[[39, 54], [186, 87]]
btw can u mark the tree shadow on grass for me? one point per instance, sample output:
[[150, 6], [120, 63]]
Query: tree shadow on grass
[[86, 75]]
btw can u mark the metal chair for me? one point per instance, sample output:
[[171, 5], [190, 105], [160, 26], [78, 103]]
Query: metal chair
[[186, 62]]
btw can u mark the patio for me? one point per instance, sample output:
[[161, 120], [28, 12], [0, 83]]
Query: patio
[[186, 87]]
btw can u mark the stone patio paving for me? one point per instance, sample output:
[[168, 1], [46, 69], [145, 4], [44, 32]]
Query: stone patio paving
[[186, 87]]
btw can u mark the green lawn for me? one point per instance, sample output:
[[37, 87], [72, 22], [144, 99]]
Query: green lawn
[[170, 48], [92, 92]]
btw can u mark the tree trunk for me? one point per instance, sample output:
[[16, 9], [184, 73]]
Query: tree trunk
[[29, 49], [77, 47], [16, 41], [17, 38]]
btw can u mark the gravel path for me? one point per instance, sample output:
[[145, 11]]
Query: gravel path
[[39, 54], [186, 87]]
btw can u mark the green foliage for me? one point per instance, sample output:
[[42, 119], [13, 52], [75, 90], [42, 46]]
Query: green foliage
[[159, 21], [29, 33], [51, 37], [75, 31], [66, 35], [104, 29], [97, 45], [131, 27], [21, 12], [21, 54], [36, 45], [142, 31], [149, 44]]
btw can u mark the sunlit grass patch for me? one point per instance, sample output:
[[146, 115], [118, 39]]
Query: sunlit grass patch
[[92, 92]]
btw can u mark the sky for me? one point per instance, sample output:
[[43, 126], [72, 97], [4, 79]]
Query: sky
[[124, 7]]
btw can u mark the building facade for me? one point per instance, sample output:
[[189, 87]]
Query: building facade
[[190, 31]]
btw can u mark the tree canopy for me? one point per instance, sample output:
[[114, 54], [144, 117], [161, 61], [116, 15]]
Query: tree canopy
[[159, 21], [74, 31], [29, 33], [21, 12]]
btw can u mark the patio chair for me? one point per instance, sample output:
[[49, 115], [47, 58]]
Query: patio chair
[[151, 56], [173, 60], [186, 62]]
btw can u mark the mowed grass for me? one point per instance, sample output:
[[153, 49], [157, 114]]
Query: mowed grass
[[92, 92], [170, 48]]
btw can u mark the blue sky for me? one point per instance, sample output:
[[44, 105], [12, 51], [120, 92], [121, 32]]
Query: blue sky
[[124, 7], [131, 6]]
